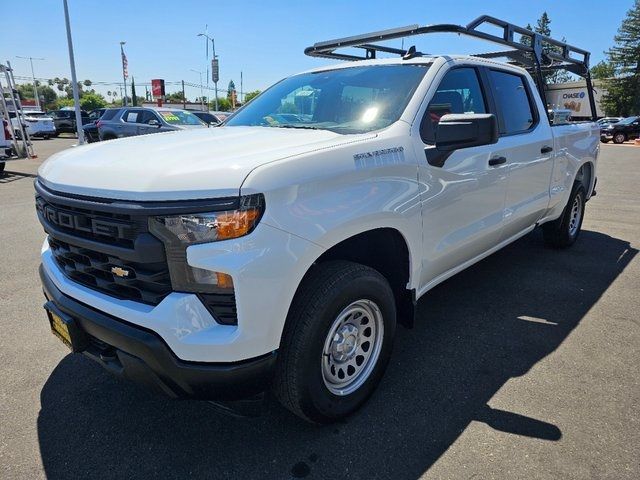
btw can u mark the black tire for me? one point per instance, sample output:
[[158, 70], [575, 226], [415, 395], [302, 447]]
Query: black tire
[[326, 291], [2, 164], [559, 233], [619, 138], [604, 140], [109, 137]]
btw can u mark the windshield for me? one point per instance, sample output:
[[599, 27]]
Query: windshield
[[179, 117], [349, 100], [627, 121]]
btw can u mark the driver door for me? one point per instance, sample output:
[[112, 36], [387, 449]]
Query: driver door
[[463, 200]]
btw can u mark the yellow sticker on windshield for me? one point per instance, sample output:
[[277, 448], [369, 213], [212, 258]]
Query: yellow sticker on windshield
[[170, 117]]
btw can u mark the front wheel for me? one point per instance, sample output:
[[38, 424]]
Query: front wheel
[[337, 341], [564, 231]]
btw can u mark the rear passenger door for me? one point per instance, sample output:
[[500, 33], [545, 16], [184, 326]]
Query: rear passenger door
[[130, 122], [526, 142]]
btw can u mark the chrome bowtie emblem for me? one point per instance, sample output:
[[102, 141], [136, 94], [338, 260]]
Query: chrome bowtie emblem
[[120, 272]]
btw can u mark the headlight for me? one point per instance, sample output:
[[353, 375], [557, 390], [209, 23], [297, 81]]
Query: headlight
[[177, 232]]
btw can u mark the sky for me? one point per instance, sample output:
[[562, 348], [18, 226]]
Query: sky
[[262, 39]]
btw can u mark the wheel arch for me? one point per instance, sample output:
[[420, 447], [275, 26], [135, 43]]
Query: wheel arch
[[386, 250]]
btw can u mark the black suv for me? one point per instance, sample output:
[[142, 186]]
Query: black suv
[[626, 129], [65, 120]]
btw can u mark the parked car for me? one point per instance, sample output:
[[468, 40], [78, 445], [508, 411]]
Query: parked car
[[36, 123], [220, 262], [620, 132], [132, 121], [90, 130], [65, 120], [608, 120], [208, 117]]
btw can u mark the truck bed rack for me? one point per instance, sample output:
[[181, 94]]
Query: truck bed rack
[[535, 52]]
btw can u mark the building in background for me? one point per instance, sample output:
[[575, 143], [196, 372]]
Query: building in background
[[573, 96]]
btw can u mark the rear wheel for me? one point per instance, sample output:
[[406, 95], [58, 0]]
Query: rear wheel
[[564, 231], [619, 138], [2, 164], [337, 341]]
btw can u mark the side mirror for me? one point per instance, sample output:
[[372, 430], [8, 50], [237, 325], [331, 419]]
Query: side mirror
[[457, 131], [154, 122]]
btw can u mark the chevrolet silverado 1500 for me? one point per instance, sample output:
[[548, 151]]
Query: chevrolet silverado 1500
[[279, 250]]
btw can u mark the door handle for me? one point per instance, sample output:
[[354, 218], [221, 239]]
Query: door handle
[[546, 149], [497, 161]]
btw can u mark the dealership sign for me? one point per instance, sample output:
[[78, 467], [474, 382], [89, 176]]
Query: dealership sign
[[157, 88]]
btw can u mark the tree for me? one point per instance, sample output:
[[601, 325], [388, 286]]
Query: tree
[[603, 70], [623, 91], [45, 93], [543, 28], [175, 97], [133, 92], [231, 89], [224, 104], [91, 101], [251, 95]]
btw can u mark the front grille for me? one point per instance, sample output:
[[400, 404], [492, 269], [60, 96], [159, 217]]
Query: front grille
[[115, 229], [109, 252], [148, 283]]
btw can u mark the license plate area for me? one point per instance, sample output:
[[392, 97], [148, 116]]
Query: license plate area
[[66, 328]]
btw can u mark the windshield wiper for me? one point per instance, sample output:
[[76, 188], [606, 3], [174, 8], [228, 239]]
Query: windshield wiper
[[288, 125]]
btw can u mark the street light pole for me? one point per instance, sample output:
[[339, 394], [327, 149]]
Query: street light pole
[[74, 80], [213, 47], [33, 75]]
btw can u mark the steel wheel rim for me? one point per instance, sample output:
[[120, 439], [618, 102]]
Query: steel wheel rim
[[576, 214], [352, 347]]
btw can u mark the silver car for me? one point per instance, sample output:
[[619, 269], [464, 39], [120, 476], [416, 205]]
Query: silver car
[[132, 121]]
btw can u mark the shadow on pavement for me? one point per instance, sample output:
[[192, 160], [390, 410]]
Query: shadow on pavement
[[8, 176], [484, 326]]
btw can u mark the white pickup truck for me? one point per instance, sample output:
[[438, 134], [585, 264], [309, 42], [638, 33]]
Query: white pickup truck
[[279, 250]]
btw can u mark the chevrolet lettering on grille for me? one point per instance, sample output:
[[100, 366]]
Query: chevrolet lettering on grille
[[82, 222]]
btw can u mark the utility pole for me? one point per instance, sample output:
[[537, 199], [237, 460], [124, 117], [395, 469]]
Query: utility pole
[[201, 93], [241, 89], [33, 75], [184, 98], [74, 80]]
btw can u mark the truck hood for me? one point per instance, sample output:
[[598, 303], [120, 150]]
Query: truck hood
[[190, 164]]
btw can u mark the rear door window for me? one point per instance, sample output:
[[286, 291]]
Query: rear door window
[[132, 116], [513, 101]]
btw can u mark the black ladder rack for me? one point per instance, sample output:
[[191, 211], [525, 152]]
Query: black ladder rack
[[535, 52]]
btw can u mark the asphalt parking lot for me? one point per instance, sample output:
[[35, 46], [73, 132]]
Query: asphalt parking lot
[[526, 365]]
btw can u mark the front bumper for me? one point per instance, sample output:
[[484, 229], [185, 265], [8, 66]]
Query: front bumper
[[141, 355]]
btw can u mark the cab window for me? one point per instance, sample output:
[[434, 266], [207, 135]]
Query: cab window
[[459, 92]]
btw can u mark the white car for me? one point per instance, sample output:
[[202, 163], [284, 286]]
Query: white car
[[37, 123], [216, 263]]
